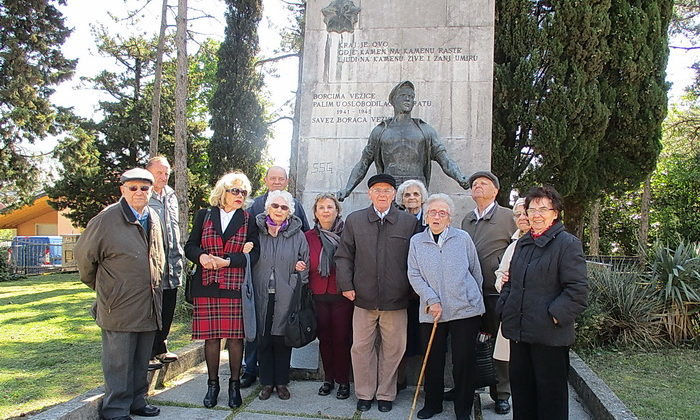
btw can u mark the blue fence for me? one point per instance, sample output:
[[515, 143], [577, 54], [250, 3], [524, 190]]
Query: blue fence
[[35, 254]]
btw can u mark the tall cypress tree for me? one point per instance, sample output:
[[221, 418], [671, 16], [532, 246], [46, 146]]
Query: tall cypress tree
[[238, 114], [578, 95]]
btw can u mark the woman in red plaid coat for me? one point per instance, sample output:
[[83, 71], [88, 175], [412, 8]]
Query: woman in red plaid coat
[[220, 236]]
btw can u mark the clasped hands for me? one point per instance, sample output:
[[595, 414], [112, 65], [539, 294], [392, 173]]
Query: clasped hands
[[212, 262]]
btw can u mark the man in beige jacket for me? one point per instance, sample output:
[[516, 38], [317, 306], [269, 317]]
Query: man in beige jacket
[[120, 255]]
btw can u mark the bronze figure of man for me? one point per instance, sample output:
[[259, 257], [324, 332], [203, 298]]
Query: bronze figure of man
[[403, 146]]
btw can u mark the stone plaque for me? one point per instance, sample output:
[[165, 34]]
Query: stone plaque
[[356, 51]]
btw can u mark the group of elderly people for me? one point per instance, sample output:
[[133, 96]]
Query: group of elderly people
[[392, 272], [446, 294]]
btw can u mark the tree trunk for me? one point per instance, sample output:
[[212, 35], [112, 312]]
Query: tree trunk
[[181, 184], [155, 115], [294, 152], [644, 217], [573, 218], [594, 229]]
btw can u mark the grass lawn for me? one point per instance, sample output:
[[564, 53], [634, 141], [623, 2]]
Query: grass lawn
[[49, 343], [659, 385]]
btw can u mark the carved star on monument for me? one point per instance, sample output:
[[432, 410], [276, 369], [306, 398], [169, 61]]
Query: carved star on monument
[[340, 16]]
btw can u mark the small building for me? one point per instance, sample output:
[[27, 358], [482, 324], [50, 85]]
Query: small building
[[37, 219]]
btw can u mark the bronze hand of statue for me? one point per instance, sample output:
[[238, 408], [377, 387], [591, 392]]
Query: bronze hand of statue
[[342, 194]]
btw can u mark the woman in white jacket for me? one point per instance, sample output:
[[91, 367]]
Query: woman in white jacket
[[502, 349]]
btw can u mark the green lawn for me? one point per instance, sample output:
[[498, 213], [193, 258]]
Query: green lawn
[[659, 385], [49, 343]]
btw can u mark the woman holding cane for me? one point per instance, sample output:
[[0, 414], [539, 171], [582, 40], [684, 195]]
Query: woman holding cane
[[444, 270]]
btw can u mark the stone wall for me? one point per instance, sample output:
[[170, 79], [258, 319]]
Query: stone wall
[[445, 47]]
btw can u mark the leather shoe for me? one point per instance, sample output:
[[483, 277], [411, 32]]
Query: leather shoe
[[364, 405], [166, 357], [265, 392], [235, 399], [449, 395], [247, 380], [427, 412], [326, 388], [384, 406], [502, 407], [154, 364], [343, 392], [118, 418], [283, 392], [147, 410], [212, 395]]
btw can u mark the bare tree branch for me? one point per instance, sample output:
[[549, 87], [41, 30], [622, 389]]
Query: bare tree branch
[[278, 119], [274, 59]]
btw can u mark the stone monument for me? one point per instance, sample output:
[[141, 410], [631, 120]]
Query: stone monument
[[356, 51]]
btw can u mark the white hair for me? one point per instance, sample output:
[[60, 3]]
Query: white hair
[[438, 197], [519, 202], [280, 193], [410, 183]]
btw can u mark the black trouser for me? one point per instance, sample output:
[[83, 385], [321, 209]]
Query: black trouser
[[169, 302], [273, 355], [463, 334], [539, 381], [125, 368], [490, 322]]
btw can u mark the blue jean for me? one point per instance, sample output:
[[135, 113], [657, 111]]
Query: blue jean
[[251, 358]]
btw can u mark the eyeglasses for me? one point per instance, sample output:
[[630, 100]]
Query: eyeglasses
[[382, 191], [541, 210], [413, 194], [440, 213], [143, 188], [279, 206], [236, 191]]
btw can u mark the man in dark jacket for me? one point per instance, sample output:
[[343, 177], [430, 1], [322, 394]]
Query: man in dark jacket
[[491, 227], [371, 271], [120, 256], [164, 202], [276, 179]]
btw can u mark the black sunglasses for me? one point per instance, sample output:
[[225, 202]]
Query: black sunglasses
[[143, 188], [236, 191], [279, 206]]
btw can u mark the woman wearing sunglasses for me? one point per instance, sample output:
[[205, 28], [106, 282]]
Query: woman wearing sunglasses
[[284, 257], [220, 236]]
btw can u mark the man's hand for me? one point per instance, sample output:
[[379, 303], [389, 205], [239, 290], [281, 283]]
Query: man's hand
[[247, 247], [300, 266], [435, 310], [349, 295]]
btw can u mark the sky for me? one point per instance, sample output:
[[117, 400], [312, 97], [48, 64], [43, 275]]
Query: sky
[[82, 14]]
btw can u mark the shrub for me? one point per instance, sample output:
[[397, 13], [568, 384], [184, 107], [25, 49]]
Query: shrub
[[675, 274], [622, 311], [6, 273]]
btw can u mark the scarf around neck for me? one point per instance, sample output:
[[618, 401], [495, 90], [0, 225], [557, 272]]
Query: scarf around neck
[[329, 243]]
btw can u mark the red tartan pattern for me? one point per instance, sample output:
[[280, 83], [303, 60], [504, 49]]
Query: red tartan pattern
[[217, 318], [212, 243]]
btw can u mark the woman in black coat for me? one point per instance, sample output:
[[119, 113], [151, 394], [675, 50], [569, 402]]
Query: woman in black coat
[[546, 289]]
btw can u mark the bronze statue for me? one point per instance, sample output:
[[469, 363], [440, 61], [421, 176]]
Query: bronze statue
[[403, 146]]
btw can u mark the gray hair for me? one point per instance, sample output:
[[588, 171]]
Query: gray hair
[[438, 197], [280, 193], [410, 183], [519, 202]]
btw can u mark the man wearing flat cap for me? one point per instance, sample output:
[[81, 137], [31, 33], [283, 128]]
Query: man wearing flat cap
[[371, 271], [403, 147], [120, 256], [491, 227]]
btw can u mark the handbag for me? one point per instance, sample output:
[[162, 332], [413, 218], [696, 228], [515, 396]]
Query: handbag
[[485, 370], [301, 321], [189, 274]]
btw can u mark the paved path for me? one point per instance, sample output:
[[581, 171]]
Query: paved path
[[182, 399]]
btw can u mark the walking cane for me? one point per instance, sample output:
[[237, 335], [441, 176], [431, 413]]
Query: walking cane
[[422, 370]]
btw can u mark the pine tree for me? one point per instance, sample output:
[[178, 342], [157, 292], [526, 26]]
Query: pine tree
[[96, 153], [238, 113], [31, 63]]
